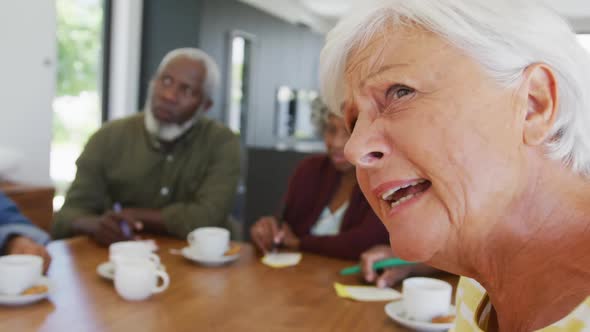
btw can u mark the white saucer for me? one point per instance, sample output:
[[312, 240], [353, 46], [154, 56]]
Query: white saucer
[[193, 255], [19, 300], [107, 270], [396, 312]]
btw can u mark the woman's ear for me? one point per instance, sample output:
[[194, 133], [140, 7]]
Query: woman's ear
[[542, 103]]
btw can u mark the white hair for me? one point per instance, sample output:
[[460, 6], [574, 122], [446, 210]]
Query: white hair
[[504, 36], [211, 81]]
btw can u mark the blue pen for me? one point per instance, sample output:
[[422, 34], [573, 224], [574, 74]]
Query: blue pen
[[117, 208]]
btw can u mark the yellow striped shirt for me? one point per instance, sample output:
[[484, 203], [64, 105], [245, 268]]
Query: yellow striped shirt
[[470, 295]]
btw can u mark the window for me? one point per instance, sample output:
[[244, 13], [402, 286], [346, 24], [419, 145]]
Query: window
[[585, 41], [294, 118], [77, 105], [239, 71], [237, 83]]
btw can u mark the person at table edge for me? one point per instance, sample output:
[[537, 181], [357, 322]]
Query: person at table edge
[[18, 235], [170, 168]]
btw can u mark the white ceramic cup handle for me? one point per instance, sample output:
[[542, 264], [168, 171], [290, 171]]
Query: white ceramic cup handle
[[165, 282], [155, 259], [190, 238]]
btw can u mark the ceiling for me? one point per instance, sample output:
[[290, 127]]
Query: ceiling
[[322, 15]]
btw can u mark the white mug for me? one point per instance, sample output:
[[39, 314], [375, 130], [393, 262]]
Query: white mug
[[136, 279], [19, 272], [209, 241], [133, 249], [426, 298]]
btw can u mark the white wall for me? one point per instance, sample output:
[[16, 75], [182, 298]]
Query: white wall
[[27, 84]]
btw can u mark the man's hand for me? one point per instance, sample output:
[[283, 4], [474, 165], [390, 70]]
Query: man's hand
[[108, 228], [22, 245], [151, 219]]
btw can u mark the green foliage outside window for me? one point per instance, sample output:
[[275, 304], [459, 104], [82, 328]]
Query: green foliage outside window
[[79, 36]]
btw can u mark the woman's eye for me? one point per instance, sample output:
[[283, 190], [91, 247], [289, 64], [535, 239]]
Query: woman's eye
[[166, 81], [398, 91]]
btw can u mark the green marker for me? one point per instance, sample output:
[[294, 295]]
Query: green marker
[[390, 262]]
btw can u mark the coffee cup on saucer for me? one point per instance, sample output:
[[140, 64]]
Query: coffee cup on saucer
[[426, 298], [209, 242], [133, 249], [19, 272], [136, 279]]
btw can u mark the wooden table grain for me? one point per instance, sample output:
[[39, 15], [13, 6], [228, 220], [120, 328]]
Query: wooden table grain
[[242, 296]]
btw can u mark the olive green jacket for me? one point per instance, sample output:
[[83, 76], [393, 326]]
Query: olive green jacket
[[193, 184]]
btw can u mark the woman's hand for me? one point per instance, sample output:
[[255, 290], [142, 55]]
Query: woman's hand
[[287, 238], [389, 277], [263, 232], [267, 231]]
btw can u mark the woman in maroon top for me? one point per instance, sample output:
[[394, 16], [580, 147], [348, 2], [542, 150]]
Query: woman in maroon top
[[325, 211]]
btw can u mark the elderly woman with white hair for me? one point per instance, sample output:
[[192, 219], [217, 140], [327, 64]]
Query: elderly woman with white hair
[[470, 124]]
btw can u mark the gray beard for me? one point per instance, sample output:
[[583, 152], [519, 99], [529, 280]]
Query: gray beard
[[167, 132]]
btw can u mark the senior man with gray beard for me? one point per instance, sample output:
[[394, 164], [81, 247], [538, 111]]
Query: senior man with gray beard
[[167, 170]]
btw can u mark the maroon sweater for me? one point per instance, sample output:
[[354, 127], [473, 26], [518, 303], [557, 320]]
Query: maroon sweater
[[310, 191]]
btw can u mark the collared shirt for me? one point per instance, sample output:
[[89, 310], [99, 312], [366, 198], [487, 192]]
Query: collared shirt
[[310, 190], [12, 222], [193, 183], [472, 315], [329, 222]]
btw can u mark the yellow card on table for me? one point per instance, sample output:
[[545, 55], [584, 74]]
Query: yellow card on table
[[366, 293], [282, 259]]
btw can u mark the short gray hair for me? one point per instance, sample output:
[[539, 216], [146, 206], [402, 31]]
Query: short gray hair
[[504, 36], [211, 82]]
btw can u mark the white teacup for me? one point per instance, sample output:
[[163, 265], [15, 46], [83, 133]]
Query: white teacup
[[209, 241], [136, 279], [19, 272], [426, 298], [132, 249]]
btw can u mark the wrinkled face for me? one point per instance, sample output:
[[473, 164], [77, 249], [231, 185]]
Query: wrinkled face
[[435, 141], [177, 91], [335, 137]]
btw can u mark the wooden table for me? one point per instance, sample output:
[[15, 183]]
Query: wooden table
[[243, 296]]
